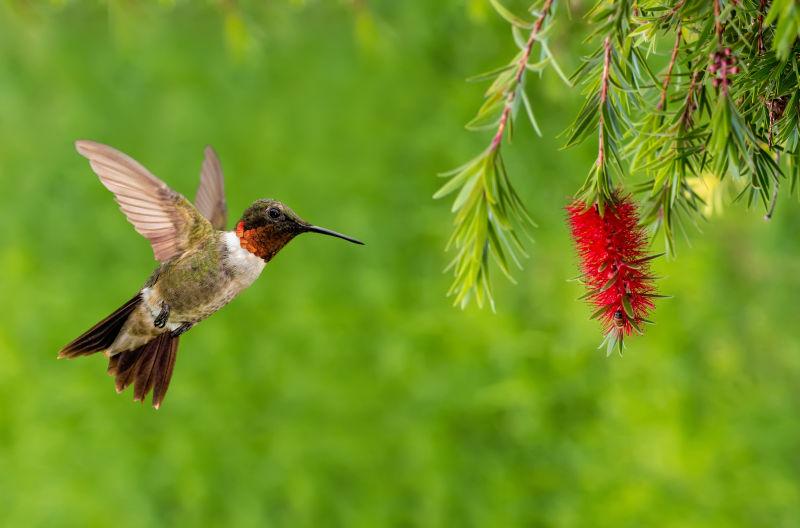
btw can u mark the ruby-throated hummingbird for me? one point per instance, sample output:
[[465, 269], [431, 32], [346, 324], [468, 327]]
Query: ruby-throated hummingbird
[[202, 266]]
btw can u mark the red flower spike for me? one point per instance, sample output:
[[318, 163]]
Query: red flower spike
[[615, 265]]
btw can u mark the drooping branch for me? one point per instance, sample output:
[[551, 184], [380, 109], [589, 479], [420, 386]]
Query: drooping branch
[[518, 74], [601, 149], [487, 209], [689, 106], [761, 7], [613, 77], [674, 55], [713, 111]]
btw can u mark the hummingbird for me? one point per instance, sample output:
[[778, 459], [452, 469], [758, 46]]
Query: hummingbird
[[202, 266]]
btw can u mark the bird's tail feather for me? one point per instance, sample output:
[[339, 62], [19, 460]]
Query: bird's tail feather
[[147, 367], [102, 335]]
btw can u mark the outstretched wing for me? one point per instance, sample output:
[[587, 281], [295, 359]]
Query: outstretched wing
[[210, 198], [158, 213]]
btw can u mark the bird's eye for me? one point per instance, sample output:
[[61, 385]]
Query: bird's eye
[[274, 213]]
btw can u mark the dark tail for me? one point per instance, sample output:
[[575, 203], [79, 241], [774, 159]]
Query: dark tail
[[102, 335], [147, 367]]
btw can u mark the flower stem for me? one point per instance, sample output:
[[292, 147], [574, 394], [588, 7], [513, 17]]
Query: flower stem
[[603, 97]]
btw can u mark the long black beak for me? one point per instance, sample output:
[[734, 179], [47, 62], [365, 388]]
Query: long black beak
[[323, 231]]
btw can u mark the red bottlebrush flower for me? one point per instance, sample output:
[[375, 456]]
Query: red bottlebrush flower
[[615, 265]]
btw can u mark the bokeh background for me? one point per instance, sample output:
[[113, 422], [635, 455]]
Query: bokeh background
[[342, 389]]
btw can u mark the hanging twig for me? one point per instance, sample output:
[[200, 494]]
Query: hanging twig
[[663, 100], [603, 97], [520, 71]]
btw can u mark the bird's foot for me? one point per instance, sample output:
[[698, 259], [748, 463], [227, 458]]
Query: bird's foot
[[161, 319]]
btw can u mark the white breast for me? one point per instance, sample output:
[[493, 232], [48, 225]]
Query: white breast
[[245, 266]]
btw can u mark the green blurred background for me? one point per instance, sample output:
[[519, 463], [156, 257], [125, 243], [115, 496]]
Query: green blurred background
[[342, 389]]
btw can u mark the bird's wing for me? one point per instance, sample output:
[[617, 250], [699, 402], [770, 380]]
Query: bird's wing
[[158, 213], [210, 198]]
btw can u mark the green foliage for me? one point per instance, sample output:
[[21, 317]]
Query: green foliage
[[613, 78], [487, 208], [786, 16], [719, 105], [708, 115]]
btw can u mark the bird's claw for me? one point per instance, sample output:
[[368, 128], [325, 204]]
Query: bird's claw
[[161, 319]]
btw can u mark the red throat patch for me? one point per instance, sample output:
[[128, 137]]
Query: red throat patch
[[247, 239], [261, 241]]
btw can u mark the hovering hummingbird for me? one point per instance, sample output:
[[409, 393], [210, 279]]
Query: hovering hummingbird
[[202, 266]]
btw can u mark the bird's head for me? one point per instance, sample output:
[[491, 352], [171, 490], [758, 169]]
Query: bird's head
[[268, 225]]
